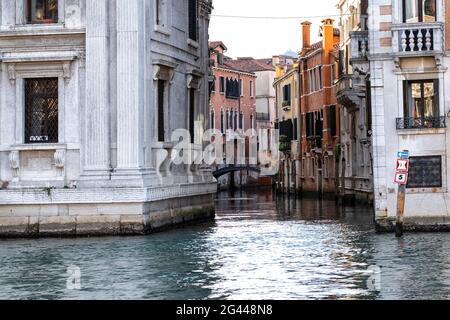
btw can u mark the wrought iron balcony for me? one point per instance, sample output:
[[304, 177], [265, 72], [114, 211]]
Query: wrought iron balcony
[[421, 123], [416, 39], [262, 116]]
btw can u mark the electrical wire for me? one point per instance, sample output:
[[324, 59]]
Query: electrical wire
[[279, 18]]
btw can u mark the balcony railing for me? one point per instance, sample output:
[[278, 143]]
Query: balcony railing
[[262, 116], [421, 123], [418, 38]]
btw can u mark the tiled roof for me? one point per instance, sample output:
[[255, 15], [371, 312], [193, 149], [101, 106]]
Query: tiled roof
[[253, 65], [215, 44]]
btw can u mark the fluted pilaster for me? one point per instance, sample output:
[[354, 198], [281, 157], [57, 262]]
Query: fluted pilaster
[[130, 82], [97, 108]]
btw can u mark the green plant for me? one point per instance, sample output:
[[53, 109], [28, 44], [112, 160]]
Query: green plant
[[48, 190], [286, 104], [285, 144]]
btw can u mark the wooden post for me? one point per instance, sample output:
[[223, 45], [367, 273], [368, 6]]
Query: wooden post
[[400, 210]]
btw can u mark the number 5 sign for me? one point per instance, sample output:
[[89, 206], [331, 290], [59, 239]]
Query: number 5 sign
[[401, 178]]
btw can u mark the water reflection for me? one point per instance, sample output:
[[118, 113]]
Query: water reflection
[[259, 247]]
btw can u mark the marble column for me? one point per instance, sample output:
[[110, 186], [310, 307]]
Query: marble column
[[130, 83], [96, 156]]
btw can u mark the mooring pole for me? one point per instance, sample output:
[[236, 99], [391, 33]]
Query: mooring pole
[[400, 210]]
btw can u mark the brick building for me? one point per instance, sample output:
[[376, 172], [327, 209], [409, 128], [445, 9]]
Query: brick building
[[233, 109], [319, 121]]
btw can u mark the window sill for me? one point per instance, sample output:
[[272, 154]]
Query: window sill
[[39, 147], [405, 132], [193, 43], [162, 29]]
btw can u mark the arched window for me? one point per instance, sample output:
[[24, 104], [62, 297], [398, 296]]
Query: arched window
[[236, 120], [252, 121], [213, 120], [222, 122], [242, 121]]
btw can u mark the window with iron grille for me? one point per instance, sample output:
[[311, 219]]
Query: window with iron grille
[[41, 110], [42, 11], [192, 11]]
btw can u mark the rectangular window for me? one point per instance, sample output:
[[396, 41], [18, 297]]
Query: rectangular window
[[419, 11], [287, 95], [220, 59], [42, 11], [309, 124], [222, 85], [421, 99], [213, 86], [161, 98], [241, 87], [213, 120], [251, 88], [192, 11], [311, 81], [242, 120], [320, 77], [425, 172], [192, 114], [41, 110], [333, 74], [332, 121]]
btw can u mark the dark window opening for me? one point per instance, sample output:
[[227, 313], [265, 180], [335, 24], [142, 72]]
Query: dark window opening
[[192, 114], [287, 95], [42, 11], [222, 85], [232, 89], [192, 11], [161, 98], [332, 121], [41, 110]]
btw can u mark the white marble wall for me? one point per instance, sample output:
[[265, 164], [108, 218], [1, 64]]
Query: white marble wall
[[105, 53], [387, 76]]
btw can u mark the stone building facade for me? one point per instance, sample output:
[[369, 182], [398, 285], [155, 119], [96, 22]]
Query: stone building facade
[[353, 93], [409, 59], [90, 94]]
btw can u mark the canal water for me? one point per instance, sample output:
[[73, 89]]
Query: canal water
[[259, 247]]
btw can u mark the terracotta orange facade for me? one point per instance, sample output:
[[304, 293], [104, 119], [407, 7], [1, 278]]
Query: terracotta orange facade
[[319, 127]]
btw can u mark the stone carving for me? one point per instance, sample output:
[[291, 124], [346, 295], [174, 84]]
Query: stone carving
[[66, 71], [14, 163], [60, 161], [12, 73]]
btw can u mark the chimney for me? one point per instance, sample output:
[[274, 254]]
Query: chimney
[[306, 34], [279, 71], [328, 34]]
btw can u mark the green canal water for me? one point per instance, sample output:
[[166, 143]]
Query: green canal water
[[258, 247]]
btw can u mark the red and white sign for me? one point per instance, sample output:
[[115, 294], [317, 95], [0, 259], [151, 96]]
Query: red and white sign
[[402, 165], [401, 178]]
